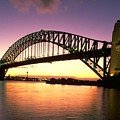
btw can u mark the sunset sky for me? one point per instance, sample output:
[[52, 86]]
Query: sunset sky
[[91, 18]]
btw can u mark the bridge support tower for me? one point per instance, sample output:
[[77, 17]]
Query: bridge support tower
[[115, 51], [2, 74]]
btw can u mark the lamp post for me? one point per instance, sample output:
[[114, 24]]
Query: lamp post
[[27, 76]]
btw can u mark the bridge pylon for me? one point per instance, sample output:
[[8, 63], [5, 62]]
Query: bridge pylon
[[115, 51], [2, 73]]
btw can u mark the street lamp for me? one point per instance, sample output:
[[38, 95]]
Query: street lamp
[[27, 74]]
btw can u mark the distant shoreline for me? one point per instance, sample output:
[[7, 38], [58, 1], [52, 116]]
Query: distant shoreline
[[99, 83], [107, 83]]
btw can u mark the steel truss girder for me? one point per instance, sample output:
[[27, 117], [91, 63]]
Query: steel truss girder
[[70, 42]]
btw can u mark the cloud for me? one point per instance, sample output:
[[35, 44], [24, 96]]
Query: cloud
[[40, 6], [46, 6], [22, 5]]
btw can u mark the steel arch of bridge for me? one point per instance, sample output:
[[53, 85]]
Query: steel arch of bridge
[[90, 50]]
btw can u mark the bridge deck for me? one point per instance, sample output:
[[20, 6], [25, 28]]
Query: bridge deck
[[79, 55]]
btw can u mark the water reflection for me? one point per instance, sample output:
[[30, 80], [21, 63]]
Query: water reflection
[[40, 101], [111, 98], [2, 101]]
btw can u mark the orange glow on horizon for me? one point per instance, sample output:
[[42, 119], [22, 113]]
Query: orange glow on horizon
[[73, 68]]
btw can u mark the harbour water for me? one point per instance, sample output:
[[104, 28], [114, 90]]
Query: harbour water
[[40, 101]]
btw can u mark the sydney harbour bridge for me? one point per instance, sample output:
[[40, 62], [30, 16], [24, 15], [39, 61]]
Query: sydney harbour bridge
[[49, 46]]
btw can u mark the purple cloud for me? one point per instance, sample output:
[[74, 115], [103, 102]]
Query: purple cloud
[[22, 5], [41, 6]]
